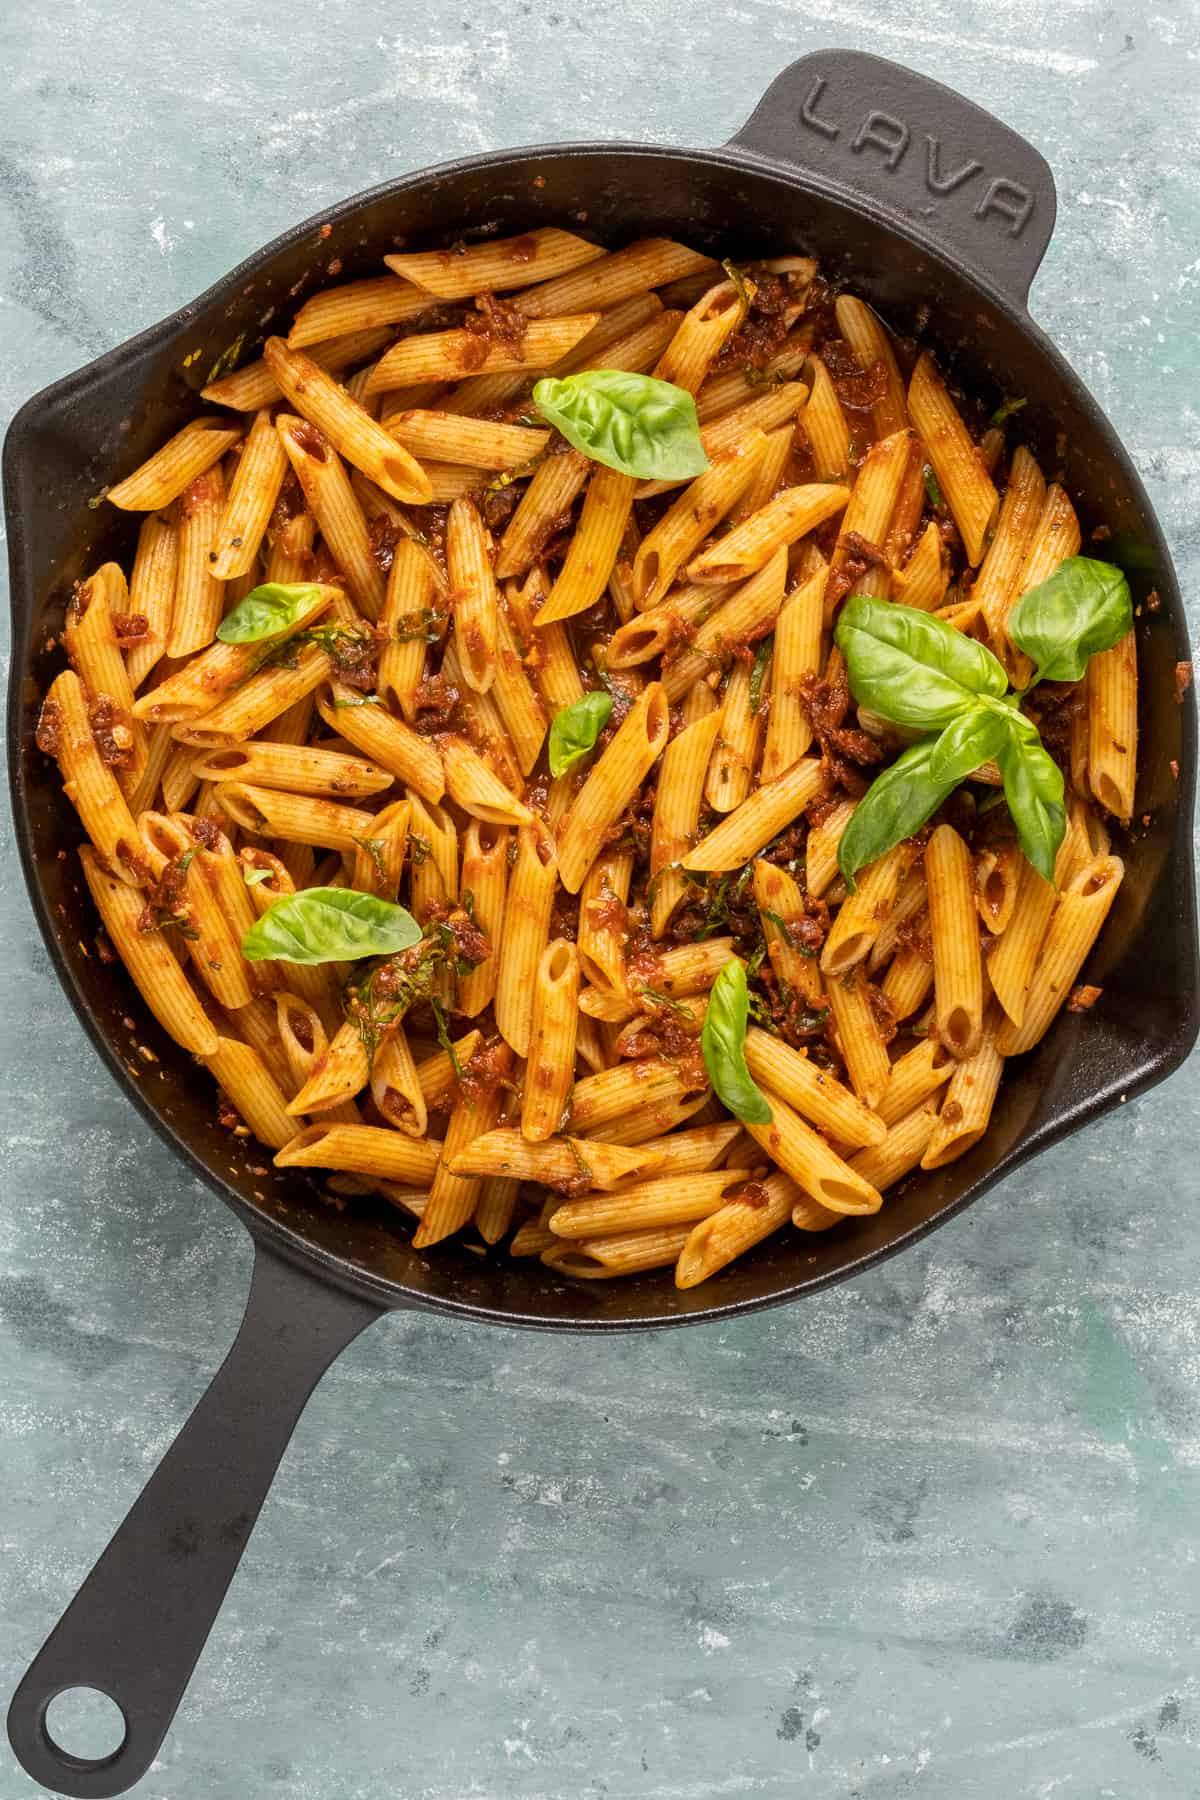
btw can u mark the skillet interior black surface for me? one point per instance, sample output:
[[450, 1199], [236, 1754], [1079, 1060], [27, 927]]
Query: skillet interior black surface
[[96, 425]]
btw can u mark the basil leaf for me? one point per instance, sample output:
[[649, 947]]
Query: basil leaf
[[574, 730], [252, 876], [762, 657], [320, 925], [974, 737], [629, 422], [1082, 608], [910, 667], [267, 610], [1033, 788], [722, 1041], [896, 804]]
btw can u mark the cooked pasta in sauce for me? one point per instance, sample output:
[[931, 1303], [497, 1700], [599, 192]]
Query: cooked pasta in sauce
[[483, 596]]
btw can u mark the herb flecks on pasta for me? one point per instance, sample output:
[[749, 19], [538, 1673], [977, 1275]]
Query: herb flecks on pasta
[[608, 750]]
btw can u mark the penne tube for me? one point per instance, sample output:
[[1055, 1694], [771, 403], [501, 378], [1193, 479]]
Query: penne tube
[[411, 621], [250, 500], [388, 742], [603, 921], [916, 1077], [967, 1105], [690, 1098], [482, 443], [94, 652], [720, 1239], [995, 587], [453, 1193], [557, 480], [481, 718], [449, 355], [923, 580], [738, 744], [788, 934], [65, 732], [333, 504], [303, 1037], [624, 1253], [824, 425], [743, 833], [253, 1091], [593, 551], [297, 768], [264, 697], [867, 516], [816, 1169], [734, 624], [1011, 965], [182, 460], [901, 1150], [495, 1206], [969, 490], [872, 347], [604, 283], [612, 784], [339, 1072], [644, 1205], [781, 521], [676, 818], [555, 669], [473, 590], [908, 982], [362, 1150], [516, 697], [1056, 536], [1113, 727], [484, 881], [152, 592], [532, 881], [694, 1152], [815, 1093], [550, 1072], [909, 905], [395, 1086], [633, 1095], [562, 1162], [997, 875], [863, 1050], [1075, 924], [357, 306], [254, 386], [954, 931], [670, 624], [691, 518], [436, 1075], [154, 970], [346, 424], [199, 596], [770, 475], [724, 392], [797, 656], [702, 331], [296, 818], [821, 849], [614, 325], [379, 857], [862, 915], [495, 264], [672, 975], [472, 785], [203, 682]]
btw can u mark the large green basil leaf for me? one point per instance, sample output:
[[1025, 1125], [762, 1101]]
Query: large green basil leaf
[[896, 804], [974, 737], [910, 667], [723, 1039], [629, 422], [1033, 788], [574, 730], [320, 925], [275, 607], [1084, 607]]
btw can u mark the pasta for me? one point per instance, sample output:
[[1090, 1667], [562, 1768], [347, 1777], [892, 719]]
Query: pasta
[[588, 729]]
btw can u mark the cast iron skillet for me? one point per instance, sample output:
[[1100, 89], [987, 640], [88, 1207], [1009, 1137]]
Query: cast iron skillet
[[922, 199]]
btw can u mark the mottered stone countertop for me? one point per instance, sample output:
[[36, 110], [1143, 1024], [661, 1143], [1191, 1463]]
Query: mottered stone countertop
[[933, 1533]]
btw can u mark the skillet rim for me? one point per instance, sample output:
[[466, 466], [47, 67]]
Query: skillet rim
[[1154, 1062]]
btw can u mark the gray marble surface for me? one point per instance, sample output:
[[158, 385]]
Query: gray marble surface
[[933, 1533]]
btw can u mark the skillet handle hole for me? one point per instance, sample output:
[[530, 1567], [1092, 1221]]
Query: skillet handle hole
[[86, 1726]]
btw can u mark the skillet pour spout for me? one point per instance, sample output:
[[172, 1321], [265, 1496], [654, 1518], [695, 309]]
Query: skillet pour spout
[[936, 212]]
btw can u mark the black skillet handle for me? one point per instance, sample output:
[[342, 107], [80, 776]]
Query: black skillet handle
[[917, 154], [139, 1622]]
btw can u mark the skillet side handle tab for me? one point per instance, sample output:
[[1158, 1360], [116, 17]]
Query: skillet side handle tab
[[916, 155], [138, 1624]]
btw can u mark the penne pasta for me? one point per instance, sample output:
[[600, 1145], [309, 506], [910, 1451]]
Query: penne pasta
[[449, 355], [550, 1070], [250, 501], [969, 490], [182, 460], [495, 264], [953, 928], [610, 787], [781, 521]]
